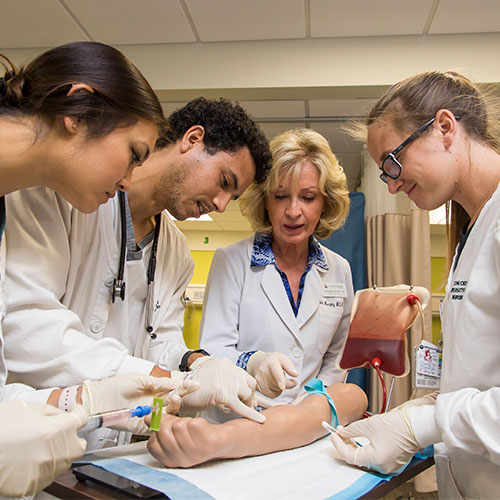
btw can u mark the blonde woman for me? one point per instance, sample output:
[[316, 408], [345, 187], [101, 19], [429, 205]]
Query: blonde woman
[[278, 303]]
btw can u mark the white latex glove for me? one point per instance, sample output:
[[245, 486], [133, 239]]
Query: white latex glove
[[132, 390], [37, 442], [221, 383], [392, 441], [269, 369]]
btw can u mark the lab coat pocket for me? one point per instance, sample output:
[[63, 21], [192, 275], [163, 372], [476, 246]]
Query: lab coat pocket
[[446, 484], [329, 319]]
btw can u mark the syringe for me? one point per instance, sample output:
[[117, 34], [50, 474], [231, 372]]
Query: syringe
[[115, 417]]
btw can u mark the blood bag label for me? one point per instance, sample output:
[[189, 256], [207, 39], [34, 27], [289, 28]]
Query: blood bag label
[[334, 290], [428, 360]]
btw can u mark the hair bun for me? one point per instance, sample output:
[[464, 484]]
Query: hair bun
[[4, 80]]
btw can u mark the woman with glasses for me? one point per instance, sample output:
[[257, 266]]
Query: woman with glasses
[[435, 138]]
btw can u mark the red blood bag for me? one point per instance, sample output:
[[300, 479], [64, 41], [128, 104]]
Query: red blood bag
[[380, 318]]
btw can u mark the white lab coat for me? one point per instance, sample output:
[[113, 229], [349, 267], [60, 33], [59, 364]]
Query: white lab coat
[[3, 308], [247, 308], [61, 327], [11, 391], [467, 412]]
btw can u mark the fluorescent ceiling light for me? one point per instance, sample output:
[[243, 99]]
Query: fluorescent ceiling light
[[438, 216]]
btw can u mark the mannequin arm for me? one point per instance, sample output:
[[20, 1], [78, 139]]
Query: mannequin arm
[[184, 442]]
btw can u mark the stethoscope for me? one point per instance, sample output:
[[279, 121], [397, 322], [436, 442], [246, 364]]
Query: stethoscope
[[118, 288]]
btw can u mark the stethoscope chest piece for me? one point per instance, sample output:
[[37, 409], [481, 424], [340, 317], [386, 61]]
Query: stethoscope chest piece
[[118, 290]]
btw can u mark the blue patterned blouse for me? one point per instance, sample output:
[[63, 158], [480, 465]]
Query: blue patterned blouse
[[263, 255]]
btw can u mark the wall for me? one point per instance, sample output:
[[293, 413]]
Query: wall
[[202, 254], [438, 275], [203, 245]]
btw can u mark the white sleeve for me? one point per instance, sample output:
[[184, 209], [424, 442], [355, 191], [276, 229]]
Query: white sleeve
[[466, 419], [176, 270], [219, 329], [45, 343], [329, 372], [21, 391]]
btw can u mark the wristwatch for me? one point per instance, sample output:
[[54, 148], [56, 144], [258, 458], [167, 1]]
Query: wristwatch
[[183, 365]]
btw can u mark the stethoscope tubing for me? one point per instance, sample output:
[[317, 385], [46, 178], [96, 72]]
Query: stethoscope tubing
[[118, 289]]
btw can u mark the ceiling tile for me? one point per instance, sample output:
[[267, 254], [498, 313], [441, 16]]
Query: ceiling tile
[[464, 16], [390, 17], [32, 23], [126, 22], [224, 20]]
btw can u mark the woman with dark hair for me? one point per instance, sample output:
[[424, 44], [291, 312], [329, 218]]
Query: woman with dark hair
[[77, 119]]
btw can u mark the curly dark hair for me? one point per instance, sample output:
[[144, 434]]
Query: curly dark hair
[[228, 127]]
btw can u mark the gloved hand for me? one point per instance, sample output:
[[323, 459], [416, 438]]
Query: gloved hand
[[37, 442], [269, 369], [392, 440], [221, 383], [131, 390]]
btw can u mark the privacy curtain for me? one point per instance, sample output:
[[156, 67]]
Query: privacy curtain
[[397, 252]]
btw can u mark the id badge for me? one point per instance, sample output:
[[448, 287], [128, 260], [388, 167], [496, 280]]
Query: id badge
[[334, 290], [427, 363]]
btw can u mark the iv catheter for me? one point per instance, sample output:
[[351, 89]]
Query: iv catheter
[[332, 430], [121, 417]]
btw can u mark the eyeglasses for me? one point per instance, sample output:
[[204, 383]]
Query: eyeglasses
[[391, 167]]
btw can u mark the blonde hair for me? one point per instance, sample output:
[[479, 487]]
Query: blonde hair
[[415, 100], [290, 150]]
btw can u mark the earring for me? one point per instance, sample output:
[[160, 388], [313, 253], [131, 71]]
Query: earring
[[74, 126]]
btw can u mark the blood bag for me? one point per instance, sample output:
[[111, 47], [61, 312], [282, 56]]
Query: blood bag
[[380, 318]]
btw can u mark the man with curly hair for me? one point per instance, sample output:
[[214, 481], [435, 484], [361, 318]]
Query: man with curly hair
[[80, 330]]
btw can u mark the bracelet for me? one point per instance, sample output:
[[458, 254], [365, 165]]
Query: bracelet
[[183, 365], [67, 399]]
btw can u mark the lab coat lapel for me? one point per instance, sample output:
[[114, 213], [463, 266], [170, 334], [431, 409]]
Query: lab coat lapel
[[276, 294], [310, 296]]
